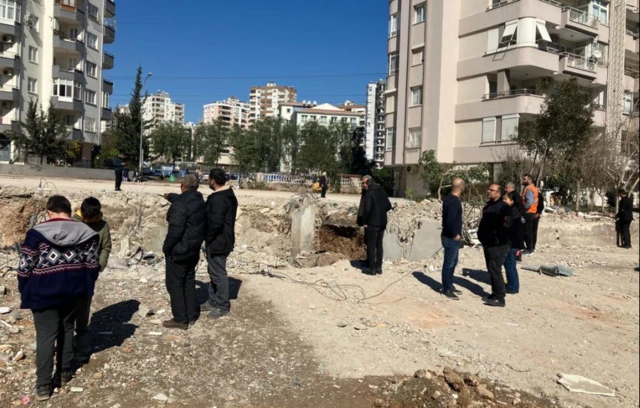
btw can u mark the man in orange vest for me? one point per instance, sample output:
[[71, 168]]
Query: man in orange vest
[[530, 202]]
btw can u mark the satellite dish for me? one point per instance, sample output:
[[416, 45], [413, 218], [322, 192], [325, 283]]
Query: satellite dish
[[597, 54]]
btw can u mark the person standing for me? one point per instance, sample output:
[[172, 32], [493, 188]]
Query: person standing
[[624, 218], [511, 187], [536, 219], [118, 167], [530, 203], [374, 205], [324, 185], [91, 214], [221, 209], [493, 234], [516, 237], [181, 248], [451, 237], [58, 265]]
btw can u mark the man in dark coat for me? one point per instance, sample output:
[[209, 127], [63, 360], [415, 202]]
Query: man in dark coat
[[372, 215], [624, 217], [222, 208], [118, 167], [187, 227], [324, 185], [494, 235]]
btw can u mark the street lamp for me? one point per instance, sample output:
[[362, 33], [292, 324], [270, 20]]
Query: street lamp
[[140, 164]]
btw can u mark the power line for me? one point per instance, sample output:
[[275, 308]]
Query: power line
[[197, 78]]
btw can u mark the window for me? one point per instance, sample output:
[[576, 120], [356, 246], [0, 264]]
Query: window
[[93, 11], [416, 96], [72, 64], [92, 69], [92, 41], [418, 56], [493, 39], [420, 12], [32, 85], [10, 10], [90, 97], [628, 102], [90, 125], [74, 33], [105, 99], [391, 103], [414, 140], [488, 130], [509, 127], [66, 90], [542, 32], [510, 34], [393, 63], [600, 10], [35, 23], [393, 25], [77, 91], [33, 54], [323, 120], [389, 138]]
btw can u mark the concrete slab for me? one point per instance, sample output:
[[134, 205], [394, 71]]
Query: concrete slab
[[303, 230], [583, 385], [426, 242], [393, 249], [153, 238]]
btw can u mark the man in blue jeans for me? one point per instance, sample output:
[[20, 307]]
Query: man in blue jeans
[[451, 237]]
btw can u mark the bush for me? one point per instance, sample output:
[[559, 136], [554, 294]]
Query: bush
[[413, 195]]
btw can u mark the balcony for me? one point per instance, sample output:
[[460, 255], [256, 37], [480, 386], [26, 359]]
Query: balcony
[[107, 86], [68, 45], [107, 114], [9, 93], [579, 66], [109, 31], [70, 74], [107, 60], [68, 12], [74, 133], [523, 101], [67, 104], [580, 21], [110, 8], [9, 122], [8, 60], [631, 41]]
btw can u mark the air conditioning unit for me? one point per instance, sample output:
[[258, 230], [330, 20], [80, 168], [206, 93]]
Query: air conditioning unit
[[6, 104], [7, 72], [8, 39], [412, 169]]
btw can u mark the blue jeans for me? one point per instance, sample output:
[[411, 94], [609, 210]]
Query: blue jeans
[[513, 281], [451, 250]]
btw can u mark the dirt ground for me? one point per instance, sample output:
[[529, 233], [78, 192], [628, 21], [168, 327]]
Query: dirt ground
[[331, 336]]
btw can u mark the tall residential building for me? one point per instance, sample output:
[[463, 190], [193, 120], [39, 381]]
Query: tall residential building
[[375, 122], [53, 51], [264, 100], [463, 74], [231, 112], [159, 108]]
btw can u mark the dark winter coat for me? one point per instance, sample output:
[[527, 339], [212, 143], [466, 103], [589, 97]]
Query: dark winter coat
[[625, 212], [374, 206], [495, 224], [222, 208], [323, 182], [187, 220], [516, 232]]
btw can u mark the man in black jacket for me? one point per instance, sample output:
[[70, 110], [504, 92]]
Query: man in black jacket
[[118, 167], [624, 217], [493, 234], [222, 207], [372, 215], [451, 237], [187, 228]]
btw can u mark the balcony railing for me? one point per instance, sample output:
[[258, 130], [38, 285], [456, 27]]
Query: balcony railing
[[512, 92], [635, 32], [581, 17], [505, 2], [580, 62]]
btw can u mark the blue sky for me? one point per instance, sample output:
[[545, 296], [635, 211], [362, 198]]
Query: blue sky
[[251, 42]]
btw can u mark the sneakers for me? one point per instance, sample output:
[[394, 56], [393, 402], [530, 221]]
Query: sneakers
[[172, 324], [495, 302], [207, 307], [451, 295], [43, 392], [217, 313]]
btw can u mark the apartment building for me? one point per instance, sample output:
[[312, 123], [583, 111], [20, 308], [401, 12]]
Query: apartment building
[[231, 112], [54, 51], [462, 74], [264, 100], [375, 122], [159, 108], [287, 109], [327, 114]]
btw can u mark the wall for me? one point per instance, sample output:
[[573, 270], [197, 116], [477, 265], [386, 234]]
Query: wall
[[50, 171]]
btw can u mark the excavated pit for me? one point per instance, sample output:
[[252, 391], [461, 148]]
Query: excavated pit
[[342, 240]]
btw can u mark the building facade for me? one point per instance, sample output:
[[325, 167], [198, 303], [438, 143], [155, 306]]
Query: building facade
[[231, 112], [159, 108], [54, 51], [463, 74], [287, 109], [264, 100], [375, 122], [325, 115]]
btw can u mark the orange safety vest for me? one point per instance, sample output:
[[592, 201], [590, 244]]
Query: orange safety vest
[[534, 207]]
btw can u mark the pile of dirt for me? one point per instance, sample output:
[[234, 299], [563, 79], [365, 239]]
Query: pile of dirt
[[452, 389]]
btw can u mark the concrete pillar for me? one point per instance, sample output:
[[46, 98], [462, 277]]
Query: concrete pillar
[[504, 81]]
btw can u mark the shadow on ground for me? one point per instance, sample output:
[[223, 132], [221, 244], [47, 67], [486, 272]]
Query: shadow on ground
[[113, 322], [460, 282]]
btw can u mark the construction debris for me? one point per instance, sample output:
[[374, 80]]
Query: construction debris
[[576, 383]]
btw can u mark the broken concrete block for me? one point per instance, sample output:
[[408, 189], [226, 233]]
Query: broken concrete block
[[426, 242], [303, 230], [145, 311], [393, 249], [153, 238], [583, 385], [3, 291]]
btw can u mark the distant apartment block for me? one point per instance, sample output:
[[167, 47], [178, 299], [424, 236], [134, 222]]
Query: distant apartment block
[[350, 106], [375, 122], [231, 112], [54, 51], [287, 109], [264, 100], [159, 108], [326, 114], [462, 75]]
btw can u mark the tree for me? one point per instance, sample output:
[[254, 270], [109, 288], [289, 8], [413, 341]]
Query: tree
[[170, 140], [563, 127], [319, 149], [210, 140], [265, 145], [127, 125], [43, 135], [244, 150], [440, 175]]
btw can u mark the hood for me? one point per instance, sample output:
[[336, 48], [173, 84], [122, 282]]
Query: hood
[[65, 232], [221, 189]]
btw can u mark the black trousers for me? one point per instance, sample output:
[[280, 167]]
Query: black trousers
[[83, 311], [494, 258], [181, 285], [528, 232], [219, 288], [54, 335], [118, 179], [323, 194], [625, 233], [534, 232], [373, 238]]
